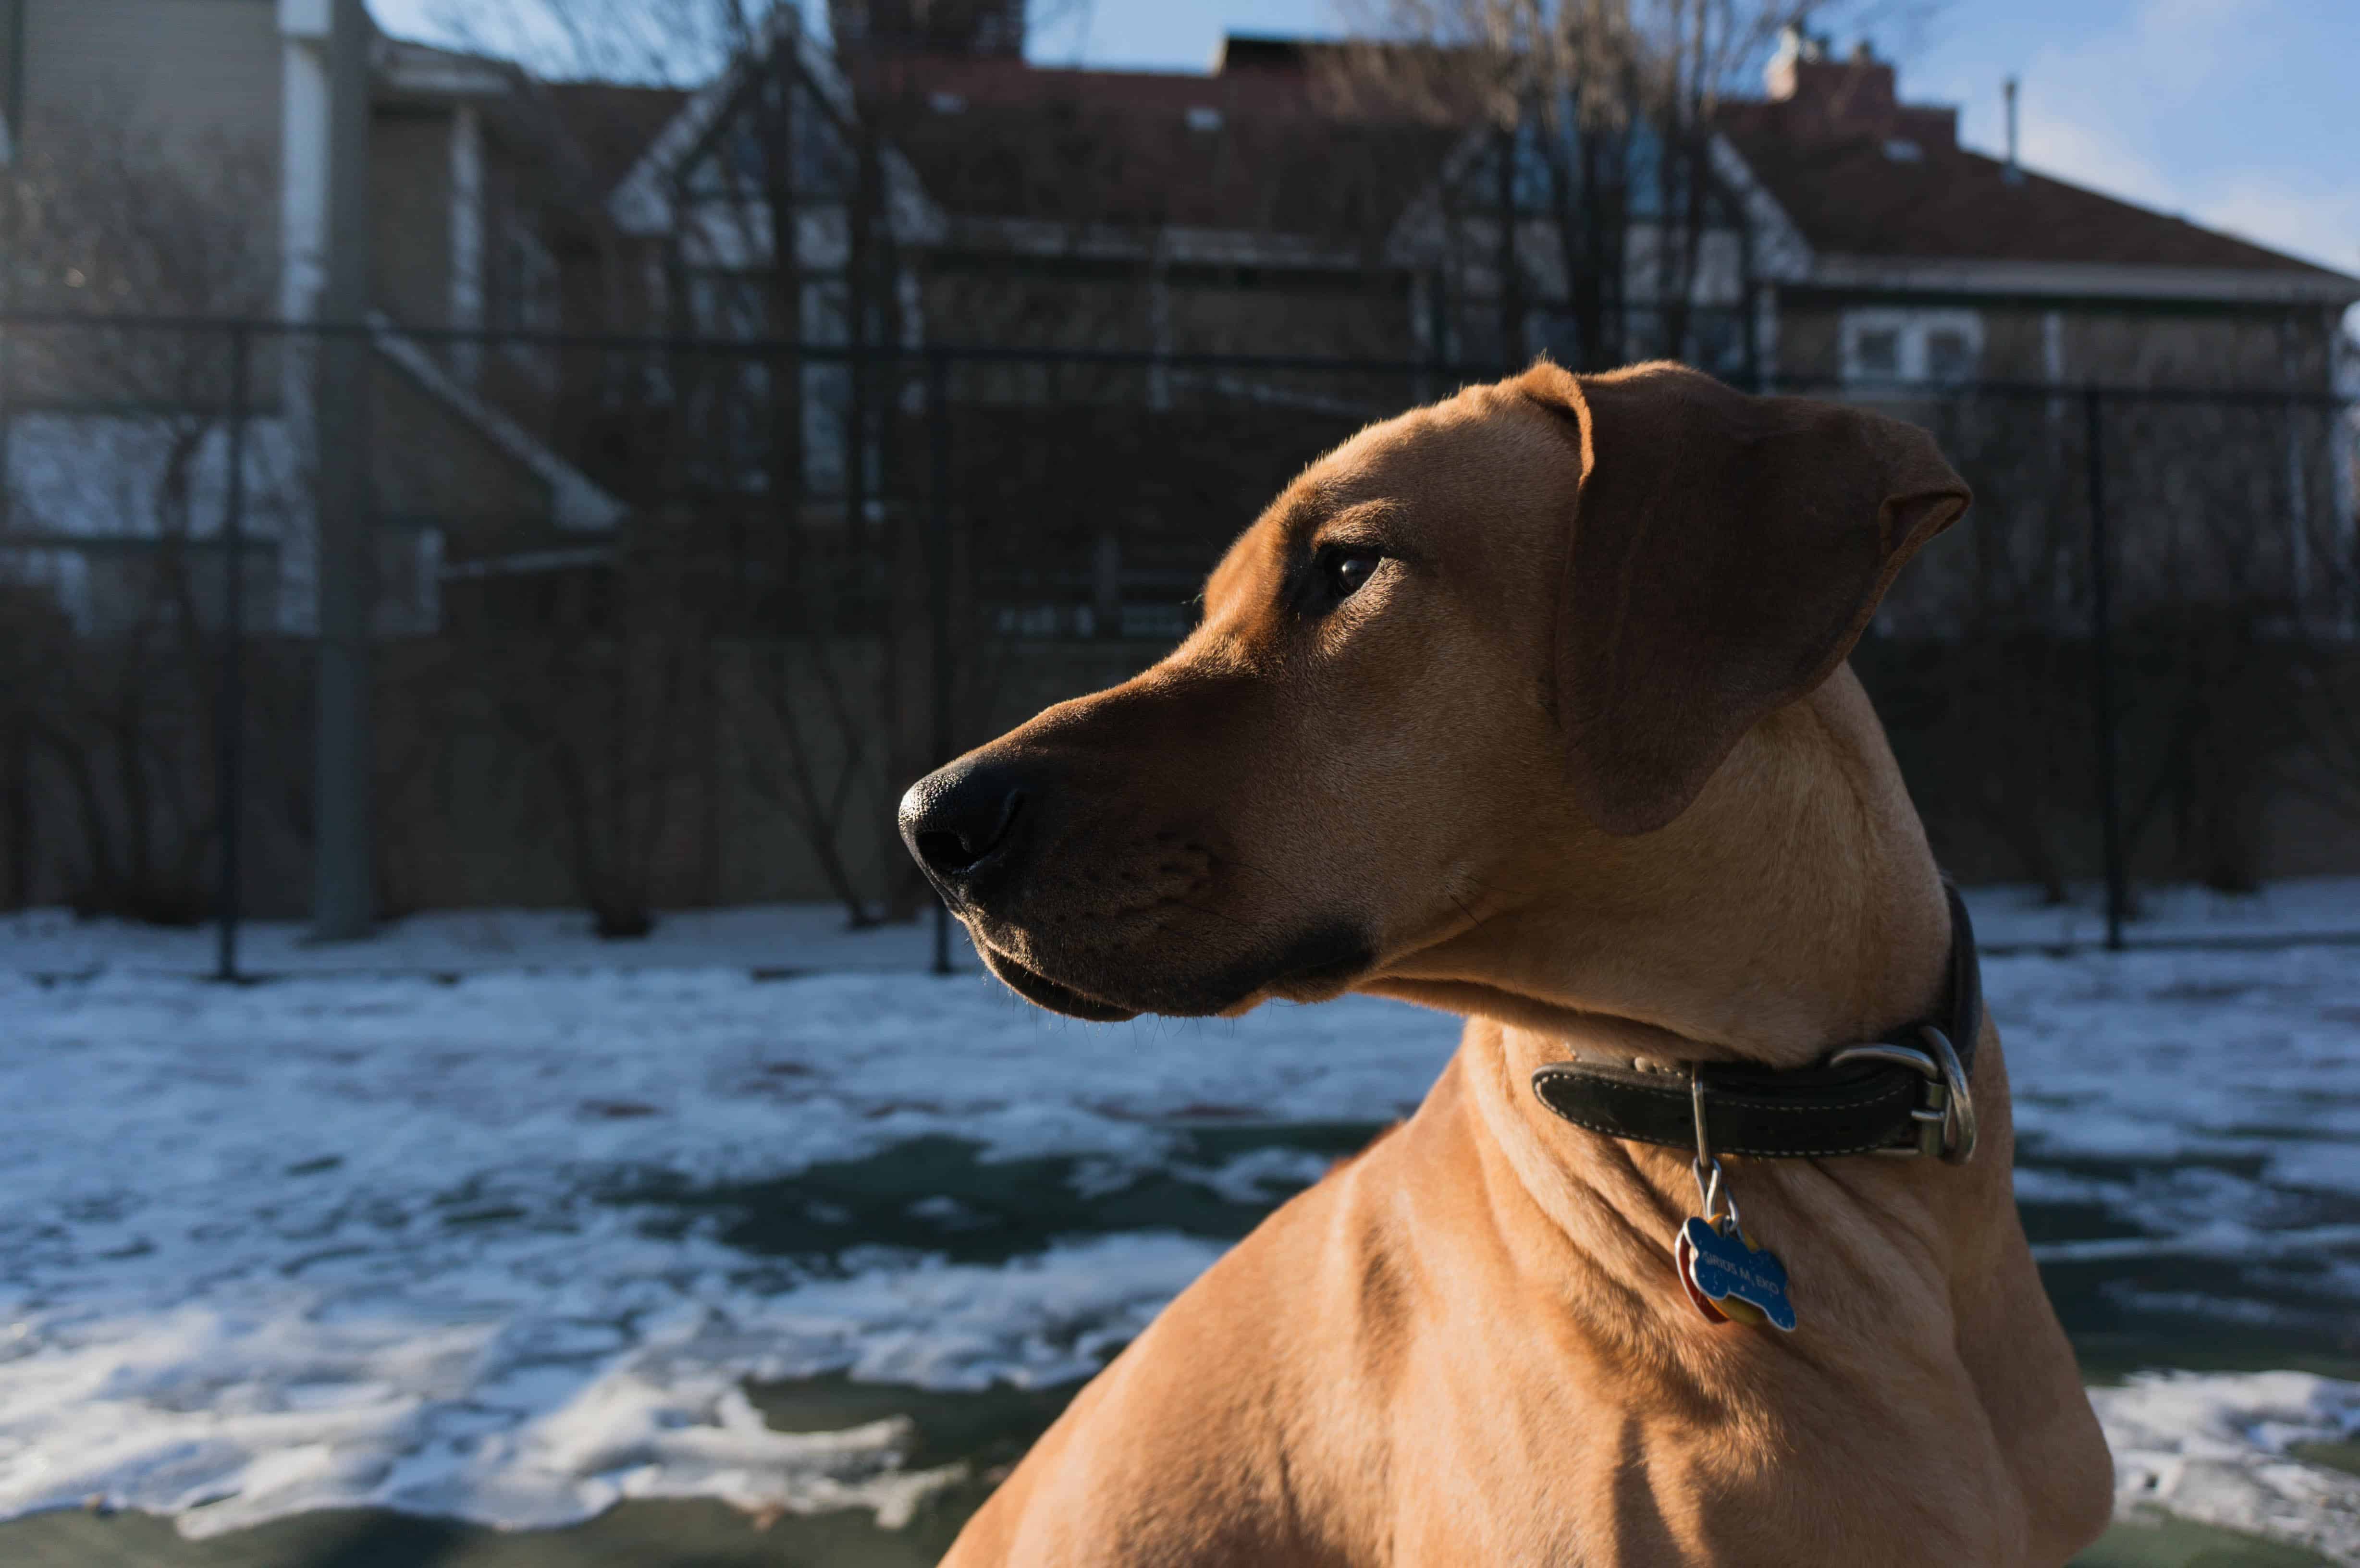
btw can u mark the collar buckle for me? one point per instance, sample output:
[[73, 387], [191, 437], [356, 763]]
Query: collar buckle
[[1945, 1116]]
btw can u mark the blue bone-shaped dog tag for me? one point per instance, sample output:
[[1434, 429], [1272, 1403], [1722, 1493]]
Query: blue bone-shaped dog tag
[[1728, 1268]]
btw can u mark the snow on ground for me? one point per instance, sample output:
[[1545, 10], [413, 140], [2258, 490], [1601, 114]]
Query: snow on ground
[[506, 1244], [811, 936], [2214, 1448], [359, 1240], [2307, 907], [768, 937], [2211, 1098]]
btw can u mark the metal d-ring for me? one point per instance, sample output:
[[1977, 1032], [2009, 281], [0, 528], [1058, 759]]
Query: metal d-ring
[[1958, 1108], [1946, 1122]]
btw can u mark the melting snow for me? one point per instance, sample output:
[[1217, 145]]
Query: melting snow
[[372, 1238], [2214, 1448]]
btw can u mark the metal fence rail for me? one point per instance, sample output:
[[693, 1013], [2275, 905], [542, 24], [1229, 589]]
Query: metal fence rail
[[670, 620]]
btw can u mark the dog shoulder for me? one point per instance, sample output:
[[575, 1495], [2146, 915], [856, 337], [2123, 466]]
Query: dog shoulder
[[1239, 1427]]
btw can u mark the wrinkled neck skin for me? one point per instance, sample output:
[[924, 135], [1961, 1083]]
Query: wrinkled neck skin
[[1795, 907]]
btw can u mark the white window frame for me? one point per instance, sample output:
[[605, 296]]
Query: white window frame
[[1912, 330], [530, 300]]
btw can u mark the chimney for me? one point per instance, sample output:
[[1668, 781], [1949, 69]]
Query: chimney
[[1859, 90], [1821, 98], [2014, 173], [1779, 77]]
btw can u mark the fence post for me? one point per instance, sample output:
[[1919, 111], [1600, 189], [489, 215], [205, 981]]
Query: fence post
[[2102, 673], [343, 857], [2298, 514], [938, 588], [229, 720]]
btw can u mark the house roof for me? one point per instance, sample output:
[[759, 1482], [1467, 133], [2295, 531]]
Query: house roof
[[1880, 189], [605, 127], [1247, 149], [1858, 195], [611, 124], [1263, 145], [641, 201], [401, 68]]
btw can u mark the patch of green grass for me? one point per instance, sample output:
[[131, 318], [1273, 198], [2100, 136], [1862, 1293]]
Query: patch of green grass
[[635, 1535], [2177, 1543], [988, 1430], [2343, 1456], [1002, 1208]]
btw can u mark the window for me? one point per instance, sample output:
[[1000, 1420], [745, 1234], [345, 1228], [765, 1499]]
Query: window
[[1904, 345], [1530, 184], [727, 304], [759, 146], [1877, 352], [525, 298], [1948, 357], [825, 160], [1716, 340], [729, 423]]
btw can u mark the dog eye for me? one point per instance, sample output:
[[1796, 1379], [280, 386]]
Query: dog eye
[[1342, 567]]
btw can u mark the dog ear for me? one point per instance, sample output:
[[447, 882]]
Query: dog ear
[[1726, 553]]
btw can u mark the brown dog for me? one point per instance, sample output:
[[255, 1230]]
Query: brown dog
[[1531, 706]]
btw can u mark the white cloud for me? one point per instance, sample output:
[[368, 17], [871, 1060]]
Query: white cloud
[[2230, 112], [2093, 150]]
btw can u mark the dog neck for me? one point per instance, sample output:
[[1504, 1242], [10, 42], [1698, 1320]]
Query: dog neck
[[1794, 907], [1869, 1243]]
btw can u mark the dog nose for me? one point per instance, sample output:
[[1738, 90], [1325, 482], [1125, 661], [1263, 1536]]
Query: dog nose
[[959, 820]]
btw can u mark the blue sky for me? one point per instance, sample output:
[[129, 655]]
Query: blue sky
[[2244, 114]]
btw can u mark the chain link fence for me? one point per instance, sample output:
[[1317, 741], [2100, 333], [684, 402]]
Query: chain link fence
[[656, 623]]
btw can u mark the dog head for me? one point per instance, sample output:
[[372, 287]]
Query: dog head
[[1502, 632]]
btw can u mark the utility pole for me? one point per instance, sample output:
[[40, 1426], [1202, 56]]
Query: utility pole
[[344, 893]]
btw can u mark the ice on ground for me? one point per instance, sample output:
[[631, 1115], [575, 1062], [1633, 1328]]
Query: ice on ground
[[389, 1239], [2214, 1448]]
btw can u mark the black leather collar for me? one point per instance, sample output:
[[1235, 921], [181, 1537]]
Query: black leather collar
[[1904, 1093]]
